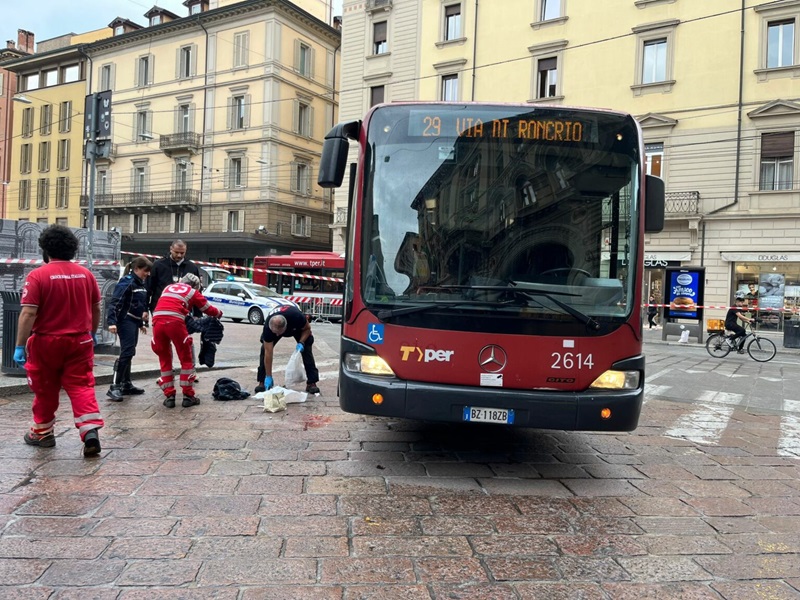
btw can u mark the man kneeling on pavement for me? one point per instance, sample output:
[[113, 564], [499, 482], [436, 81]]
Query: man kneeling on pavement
[[169, 327], [287, 321]]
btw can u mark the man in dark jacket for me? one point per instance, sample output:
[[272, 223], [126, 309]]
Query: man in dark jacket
[[169, 270], [287, 321]]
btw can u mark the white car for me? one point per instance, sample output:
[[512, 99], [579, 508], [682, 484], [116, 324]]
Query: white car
[[239, 300]]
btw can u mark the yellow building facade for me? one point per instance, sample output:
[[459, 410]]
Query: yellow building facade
[[713, 85], [217, 126]]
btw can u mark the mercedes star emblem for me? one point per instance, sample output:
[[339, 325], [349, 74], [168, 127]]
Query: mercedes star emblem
[[492, 359]]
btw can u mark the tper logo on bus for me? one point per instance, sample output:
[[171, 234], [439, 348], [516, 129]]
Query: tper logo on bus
[[427, 355]]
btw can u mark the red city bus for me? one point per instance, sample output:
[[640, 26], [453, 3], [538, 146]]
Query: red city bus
[[494, 264], [314, 264]]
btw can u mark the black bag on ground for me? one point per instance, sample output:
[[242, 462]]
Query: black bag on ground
[[229, 389]]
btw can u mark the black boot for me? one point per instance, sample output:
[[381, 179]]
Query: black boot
[[114, 393], [128, 389]]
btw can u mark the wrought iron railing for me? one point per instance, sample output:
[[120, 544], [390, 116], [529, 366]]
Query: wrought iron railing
[[186, 139], [145, 199], [341, 216], [682, 203]]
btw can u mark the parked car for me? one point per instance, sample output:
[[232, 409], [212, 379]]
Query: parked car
[[209, 275], [240, 300]]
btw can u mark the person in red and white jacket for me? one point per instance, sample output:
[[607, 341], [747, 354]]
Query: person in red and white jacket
[[169, 328]]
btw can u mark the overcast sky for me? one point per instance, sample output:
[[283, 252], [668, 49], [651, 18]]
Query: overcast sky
[[52, 18]]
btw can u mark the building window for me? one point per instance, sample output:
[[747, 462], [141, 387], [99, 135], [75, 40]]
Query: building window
[[182, 175], [31, 82], [780, 44], [547, 78], [301, 178], [106, 78], [186, 57], [27, 122], [376, 95], [101, 223], [63, 155], [379, 41], [238, 115], [452, 22], [235, 173], [44, 157], [143, 120], [654, 66], [304, 59], [654, 157], [777, 161], [241, 49], [144, 71], [235, 220], [550, 9], [195, 9], [62, 221], [119, 30], [26, 158], [103, 186], [181, 222], [184, 124], [62, 192], [303, 119], [65, 117], [139, 179], [46, 119], [155, 20], [70, 74], [449, 92], [24, 194], [42, 193], [140, 223], [301, 225], [50, 77]]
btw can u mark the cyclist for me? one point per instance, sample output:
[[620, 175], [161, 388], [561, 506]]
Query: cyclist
[[736, 314]]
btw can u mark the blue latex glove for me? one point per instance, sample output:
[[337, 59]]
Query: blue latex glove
[[19, 355], [94, 338], [268, 382], [299, 347]]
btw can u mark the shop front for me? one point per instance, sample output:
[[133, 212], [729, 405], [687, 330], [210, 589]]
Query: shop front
[[655, 264], [770, 282]]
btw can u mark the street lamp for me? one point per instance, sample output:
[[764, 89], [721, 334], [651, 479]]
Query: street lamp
[[22, 99]]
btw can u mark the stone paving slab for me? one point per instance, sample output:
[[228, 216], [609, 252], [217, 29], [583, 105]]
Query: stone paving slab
[[226, 501]]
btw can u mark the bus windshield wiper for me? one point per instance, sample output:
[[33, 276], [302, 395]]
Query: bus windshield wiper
[[383, 315], [530, 294]]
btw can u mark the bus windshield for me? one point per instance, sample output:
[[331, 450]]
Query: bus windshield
[[495, 211]]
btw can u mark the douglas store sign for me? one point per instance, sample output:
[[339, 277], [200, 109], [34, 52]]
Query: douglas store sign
[[755, 257], [659, 260]]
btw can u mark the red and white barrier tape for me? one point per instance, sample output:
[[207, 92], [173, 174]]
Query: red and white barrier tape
[[240, 268], [745, 308], [311, 299], [39, 261]]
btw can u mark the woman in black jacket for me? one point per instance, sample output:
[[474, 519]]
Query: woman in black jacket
[[127, 316]]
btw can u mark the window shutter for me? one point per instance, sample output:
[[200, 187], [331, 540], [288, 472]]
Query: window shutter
[[244, 172], [178, 63], [248, 99], [149, 121], [547, 64], [112, 79], [151, 68], [226, 174], [307, 228], [66, 154], [230, 114], [297, 55], [177, 126], [307, 182], [136, 72], [777, 145], [293, 170], [192, 111], [296, 116], [245, 49], [193, 65], [133, 183], [312, 57], [310, 130]]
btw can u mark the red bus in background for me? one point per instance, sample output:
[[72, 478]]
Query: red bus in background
[[494, 264], [313, 264]]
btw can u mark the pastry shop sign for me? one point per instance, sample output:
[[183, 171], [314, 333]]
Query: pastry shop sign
[[685, 293]]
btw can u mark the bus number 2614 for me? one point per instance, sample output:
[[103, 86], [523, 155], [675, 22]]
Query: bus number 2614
[[570, 360]]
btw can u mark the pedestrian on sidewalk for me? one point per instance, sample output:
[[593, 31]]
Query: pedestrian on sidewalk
[[55, 340], [127, 316], [652, 311], [287, 321], [169, 328]]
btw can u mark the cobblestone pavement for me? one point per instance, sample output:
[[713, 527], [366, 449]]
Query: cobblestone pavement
[[225, 501]]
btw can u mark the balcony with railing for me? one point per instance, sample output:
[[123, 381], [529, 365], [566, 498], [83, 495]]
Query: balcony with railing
[[176, 143], [377, 5], [161, 201], [680, 205]]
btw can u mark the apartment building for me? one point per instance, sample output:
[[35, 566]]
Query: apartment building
[[713, 85], [46, 142], [8, 88], [217, 125]]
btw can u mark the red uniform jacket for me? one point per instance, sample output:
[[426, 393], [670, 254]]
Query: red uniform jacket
[[178, 299]]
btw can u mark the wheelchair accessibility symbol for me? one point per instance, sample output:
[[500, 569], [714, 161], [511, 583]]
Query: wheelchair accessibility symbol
[[375, 334]]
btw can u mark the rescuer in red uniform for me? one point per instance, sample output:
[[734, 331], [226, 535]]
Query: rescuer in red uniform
[[169, 327], [60, 313]]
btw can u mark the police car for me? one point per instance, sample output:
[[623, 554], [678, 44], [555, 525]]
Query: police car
[[239, 301]]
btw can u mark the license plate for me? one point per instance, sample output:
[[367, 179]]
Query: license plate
[[478, 414]]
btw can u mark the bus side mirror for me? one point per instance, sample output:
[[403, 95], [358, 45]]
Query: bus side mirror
[[654, 201], [334, 154]]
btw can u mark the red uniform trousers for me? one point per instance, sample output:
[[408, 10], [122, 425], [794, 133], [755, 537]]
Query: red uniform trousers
[[168, 331], [56, 361]]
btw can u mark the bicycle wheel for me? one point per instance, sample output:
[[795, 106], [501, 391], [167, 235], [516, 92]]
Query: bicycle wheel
[[717, 346], [761, 349]]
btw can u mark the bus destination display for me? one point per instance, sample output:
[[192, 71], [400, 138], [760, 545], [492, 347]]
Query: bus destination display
[[461, 124]]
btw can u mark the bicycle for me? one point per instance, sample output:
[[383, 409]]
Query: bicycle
[[760, 349]]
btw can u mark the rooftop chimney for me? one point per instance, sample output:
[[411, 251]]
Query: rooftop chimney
[[25, 41], [11, 45]]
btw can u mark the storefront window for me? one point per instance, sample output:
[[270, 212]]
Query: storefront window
[[772, 290]]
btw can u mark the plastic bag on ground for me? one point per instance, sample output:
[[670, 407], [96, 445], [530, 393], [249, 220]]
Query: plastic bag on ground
[[295, 372], [276, 398]]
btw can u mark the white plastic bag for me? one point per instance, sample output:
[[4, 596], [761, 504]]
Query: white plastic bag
[[275, 399], [295, 373]]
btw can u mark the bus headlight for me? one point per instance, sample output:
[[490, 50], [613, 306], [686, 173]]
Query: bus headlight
[[367, 364], [617, 380]]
